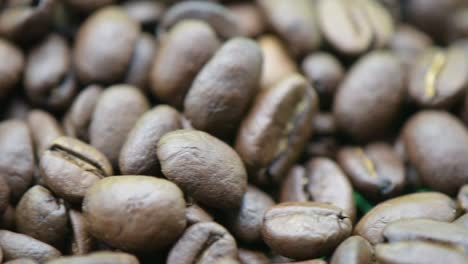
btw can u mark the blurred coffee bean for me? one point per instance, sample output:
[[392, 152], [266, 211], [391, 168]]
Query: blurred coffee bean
[[429, 205], [418, 253], [70, 167], [22, 261], [115, 114], [146, 12], [204, 167], [4, 194], [203, 243], [321, 181], [16, 159], [273, 134], [11, 66], [48, 78], [220, 18], [249, 19], [462, 221], [252, 257], [44, 129], [135, 213], [463, 197], [375, 171], [178, 60], [43, 216], [101, 257], [361, 110], [221, 93], [324, 124], [295, 22], [15, 245], [142, 60], [284, 224], [437, 146], [323, 147], [354, 250]]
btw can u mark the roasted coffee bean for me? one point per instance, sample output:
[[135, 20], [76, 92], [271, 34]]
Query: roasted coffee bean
[[221, 93], [15, 245], [463, 197], [352, 27], [171, 76], [321, 181], [354, 250], [437, 145], [195, 214], [462, 221], [204, 167], [87, 6], [418, 253], [217, 16], [70, 167], [430, 205], [95, 62], [274, 132], [324, 124], [44, 130], [148, 13], [439, 78], [16, 159], [78, 117], [26, 20], [361, 110], [142, 60], [138, 155], [11, 66], [249, 19], [295, 22], [427, 230], [277, 64], [375, 171], [252, 257], [227, 260], [325, 73], [41, 215], [81, 241], [408, 43], [135, 213], [203, 243], [245, 223], [48, 78], [115, 114], [284, 227], [102, 257]]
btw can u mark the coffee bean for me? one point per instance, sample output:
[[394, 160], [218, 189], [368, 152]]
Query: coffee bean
[[418, 253], [102, 257], [78, 118], [117, 110], [305, 230], [324, 124], [274, 132], [354, 250], [246, 222], [356, 26], [375, 171], [171, 75], [148, 13], [216, 15], [438, 79], [430, 205], [249, 19], [11, 66], [138, 155], [295, 22], [48, 78], [427, 230], [15, 245], [70, 167], [206, 168], [195, 214], [42, 216], [221, 93], [142, 60], [203, 243], [16, 158], [362, 111], [321, 181], [436, 143], [44, 130], [463, 197], [81, 241], [252, 257], [95, 62], [277, 64], [135, 213]]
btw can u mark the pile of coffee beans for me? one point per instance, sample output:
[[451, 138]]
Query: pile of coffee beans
[[234, 132]]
